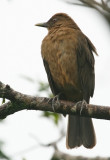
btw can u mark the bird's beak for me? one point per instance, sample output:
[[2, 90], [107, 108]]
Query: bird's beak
[[42, 25]]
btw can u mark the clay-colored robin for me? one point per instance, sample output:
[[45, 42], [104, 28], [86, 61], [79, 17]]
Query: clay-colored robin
[[69, 62]]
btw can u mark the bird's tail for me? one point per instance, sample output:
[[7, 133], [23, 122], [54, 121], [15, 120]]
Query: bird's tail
[[80, 131]]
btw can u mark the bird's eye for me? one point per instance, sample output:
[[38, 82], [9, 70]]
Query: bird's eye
[[54, 19]]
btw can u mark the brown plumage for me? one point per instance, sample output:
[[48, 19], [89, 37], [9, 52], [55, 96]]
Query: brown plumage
[[69, 63]]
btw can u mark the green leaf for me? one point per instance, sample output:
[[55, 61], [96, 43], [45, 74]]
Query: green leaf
[[53, 116], [3, 100]]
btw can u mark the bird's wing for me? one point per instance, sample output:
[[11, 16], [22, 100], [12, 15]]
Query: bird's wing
[[52, 84], [85, 60]]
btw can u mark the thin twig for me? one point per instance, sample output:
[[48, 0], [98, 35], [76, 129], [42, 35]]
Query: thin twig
[[103, 7]]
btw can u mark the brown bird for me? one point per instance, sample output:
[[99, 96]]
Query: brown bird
[[69, 63]]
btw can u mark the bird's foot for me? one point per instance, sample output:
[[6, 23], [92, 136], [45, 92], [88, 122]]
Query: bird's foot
[[54, 101], [82, 103]]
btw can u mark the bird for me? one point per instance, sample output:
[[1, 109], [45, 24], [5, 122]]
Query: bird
[[68, 59]]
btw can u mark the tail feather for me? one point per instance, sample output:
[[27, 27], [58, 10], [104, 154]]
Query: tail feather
[[73, 132], [88, 133], [80, 131]]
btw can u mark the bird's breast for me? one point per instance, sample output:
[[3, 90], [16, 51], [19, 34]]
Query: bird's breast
[[59, 50]]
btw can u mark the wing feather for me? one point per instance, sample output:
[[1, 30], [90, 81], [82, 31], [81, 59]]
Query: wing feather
[[52, 84], [85, 60]]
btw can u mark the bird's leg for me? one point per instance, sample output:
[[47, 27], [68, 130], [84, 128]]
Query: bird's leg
[[82, 103], [55, 101]]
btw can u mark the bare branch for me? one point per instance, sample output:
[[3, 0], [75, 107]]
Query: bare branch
[[103, 7], [19, 101], [60, 155]]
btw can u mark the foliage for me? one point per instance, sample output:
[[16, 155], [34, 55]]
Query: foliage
[[44, 87]]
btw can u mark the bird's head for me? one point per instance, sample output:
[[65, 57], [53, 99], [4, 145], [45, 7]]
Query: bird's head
[[58, 20]]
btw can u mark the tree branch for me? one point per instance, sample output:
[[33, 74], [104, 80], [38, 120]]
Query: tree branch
[[103, 7], [19, 101], [58, 155]]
